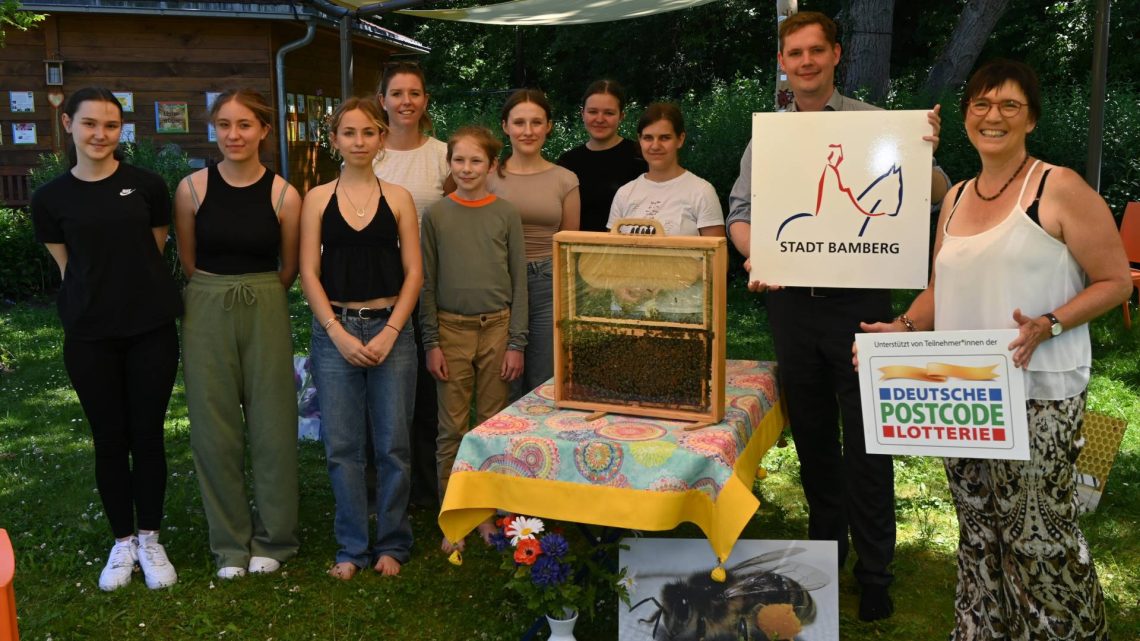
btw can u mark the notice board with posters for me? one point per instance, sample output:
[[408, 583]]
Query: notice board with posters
[[841, 199], [943, 394]]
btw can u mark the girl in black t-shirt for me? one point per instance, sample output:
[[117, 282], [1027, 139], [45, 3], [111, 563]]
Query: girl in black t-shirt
[[104, 222], [606, 161]]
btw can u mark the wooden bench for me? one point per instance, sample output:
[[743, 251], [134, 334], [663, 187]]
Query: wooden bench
[[15, 186]]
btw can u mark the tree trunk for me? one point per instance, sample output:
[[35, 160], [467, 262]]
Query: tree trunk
[[961, 52], [867, 52]]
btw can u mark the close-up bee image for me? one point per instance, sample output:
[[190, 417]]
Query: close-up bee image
[[781, 593]]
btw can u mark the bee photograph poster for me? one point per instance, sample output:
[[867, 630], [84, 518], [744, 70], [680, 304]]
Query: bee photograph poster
[[943, 394], [841, 199], [772, 589]]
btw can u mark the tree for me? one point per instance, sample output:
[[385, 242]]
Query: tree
[[12, 16], [867, 47], [959, 55]]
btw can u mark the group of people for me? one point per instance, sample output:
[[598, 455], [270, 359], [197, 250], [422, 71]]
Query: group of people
[[432, 259]]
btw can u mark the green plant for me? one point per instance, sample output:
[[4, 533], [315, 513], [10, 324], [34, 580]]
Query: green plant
[[26, 270]]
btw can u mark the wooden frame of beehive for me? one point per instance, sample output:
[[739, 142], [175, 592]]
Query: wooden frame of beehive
[[614, 351]]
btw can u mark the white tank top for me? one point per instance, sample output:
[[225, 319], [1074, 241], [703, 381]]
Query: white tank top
[[981, 279]]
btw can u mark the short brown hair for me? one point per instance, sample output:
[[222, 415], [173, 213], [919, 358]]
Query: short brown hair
[[250, 99], [996, 73], [798, 21], [482, 137], [662, 111]]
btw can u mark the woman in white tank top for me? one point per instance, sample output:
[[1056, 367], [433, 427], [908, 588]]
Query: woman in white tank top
[[1046, 259]]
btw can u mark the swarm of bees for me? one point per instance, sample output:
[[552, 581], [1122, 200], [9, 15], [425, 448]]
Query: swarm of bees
[[699, 609]]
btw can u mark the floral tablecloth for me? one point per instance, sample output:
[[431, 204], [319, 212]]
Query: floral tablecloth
[[621, 471]]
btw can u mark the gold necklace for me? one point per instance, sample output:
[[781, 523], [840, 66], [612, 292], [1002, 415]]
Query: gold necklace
[[360, 211]]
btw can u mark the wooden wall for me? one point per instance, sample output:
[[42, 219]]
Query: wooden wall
[[174, 58]]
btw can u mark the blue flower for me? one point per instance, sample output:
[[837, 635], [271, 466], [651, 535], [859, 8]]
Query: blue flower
[[555, 545], [548, 572], [500, 541]]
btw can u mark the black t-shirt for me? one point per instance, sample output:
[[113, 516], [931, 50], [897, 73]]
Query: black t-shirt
[[600, 175], [116, 283]]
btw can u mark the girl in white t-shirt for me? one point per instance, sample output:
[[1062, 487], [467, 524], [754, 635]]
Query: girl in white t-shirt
[[684, 204]]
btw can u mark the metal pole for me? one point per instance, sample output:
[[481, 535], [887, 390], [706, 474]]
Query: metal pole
[[345, 57], [282, 138], [1096, 107]]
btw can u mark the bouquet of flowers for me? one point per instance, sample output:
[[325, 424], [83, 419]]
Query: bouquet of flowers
[[541, 564]]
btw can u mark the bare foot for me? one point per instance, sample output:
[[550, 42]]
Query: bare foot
[[343, 571], [387, 566], [486, 529], [448, 547]]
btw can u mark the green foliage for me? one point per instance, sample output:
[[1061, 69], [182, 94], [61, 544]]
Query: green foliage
[[12, 16], [26, 269]]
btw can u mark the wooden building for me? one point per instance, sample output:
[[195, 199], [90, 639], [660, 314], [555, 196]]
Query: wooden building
[[167, 57]]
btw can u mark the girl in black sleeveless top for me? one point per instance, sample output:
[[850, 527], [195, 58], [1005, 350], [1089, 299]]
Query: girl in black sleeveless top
[[361, 272], [238, 228]]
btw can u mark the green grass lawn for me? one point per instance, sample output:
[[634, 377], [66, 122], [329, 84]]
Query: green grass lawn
[[50, 508]]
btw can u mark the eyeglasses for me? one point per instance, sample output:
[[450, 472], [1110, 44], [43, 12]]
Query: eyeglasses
[[1007, 108]]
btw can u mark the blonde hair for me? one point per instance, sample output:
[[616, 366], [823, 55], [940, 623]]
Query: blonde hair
[[365, 104], [482, 137]]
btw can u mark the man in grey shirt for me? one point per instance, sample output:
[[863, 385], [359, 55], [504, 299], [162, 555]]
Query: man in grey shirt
[[812, 329]]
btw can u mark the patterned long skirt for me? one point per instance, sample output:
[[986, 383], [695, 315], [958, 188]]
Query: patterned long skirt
[[1024, 568]]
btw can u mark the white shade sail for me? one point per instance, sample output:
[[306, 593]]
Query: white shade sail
[[556, 12]]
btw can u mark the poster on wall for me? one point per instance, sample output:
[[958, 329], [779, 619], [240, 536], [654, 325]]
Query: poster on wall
[[128, 134], [171, 117], [772, 589], [23, 133], [126, 100], [290, 103], [301, 131], [21, 102], [943, 394], [841, 199]]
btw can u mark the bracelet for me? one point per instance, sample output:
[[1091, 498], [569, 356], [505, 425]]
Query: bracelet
[[908, 323], [387, 325], [329, 323]]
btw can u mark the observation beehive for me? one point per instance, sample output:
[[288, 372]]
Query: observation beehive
[[639, 324]]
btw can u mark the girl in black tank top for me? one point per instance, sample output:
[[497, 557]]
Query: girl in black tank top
[[238, 228], [361, 272]]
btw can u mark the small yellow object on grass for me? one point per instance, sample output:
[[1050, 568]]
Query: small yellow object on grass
[[455, 558], [778, 621]]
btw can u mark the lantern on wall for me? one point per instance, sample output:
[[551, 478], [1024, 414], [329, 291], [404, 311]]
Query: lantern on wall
[[53, 72]]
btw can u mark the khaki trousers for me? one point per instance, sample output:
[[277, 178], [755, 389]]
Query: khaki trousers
[[473, 347]]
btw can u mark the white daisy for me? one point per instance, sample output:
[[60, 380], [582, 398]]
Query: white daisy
[[523, 527]]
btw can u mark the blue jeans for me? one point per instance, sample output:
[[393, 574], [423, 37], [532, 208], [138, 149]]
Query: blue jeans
[[353, 400], [539, 356]]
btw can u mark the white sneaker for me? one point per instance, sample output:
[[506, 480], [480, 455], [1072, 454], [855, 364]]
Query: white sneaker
[[263, 565], [230, 572], [120, 563], [157, 570]]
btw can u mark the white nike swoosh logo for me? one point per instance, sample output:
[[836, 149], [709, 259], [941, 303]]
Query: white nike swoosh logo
[[126, 192]]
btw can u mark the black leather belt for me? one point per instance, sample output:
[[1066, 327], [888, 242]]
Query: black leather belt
[[362, 313]]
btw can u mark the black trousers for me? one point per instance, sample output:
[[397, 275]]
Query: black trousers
[[425, 428], [846, 488], [124, 386]]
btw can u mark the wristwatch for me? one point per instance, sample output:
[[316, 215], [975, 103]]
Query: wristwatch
[[1055, 327]]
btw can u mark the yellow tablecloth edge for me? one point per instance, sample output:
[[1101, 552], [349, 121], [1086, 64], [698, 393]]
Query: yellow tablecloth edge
[[721, 522]]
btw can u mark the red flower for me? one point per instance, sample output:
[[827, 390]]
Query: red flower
[[505, 522], [527, 551]]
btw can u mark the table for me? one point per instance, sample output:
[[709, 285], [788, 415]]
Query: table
[[619, 471]]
